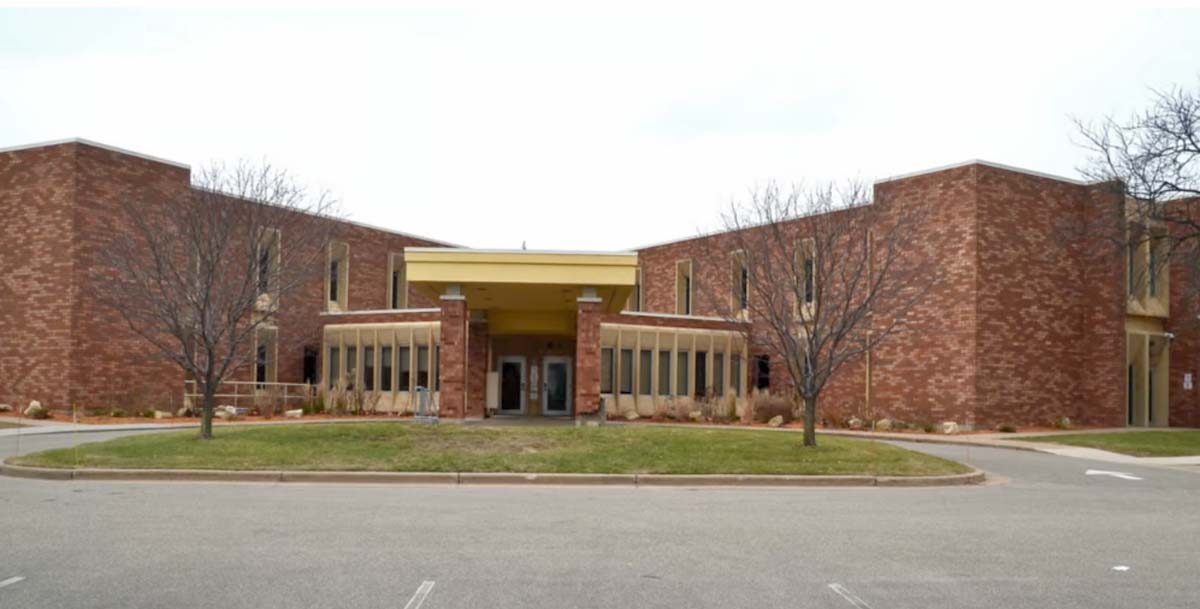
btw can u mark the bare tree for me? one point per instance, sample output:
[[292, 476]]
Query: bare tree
[[1152, 161], [827, 275], [198, 276]]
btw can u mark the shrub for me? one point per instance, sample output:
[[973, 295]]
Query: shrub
[[40, 413], [663, 410], [683, 410], [118, 413], [1062, 422], [928, 427], [1006, 428], [766, 406], [146, 414], [266, 401], [96, 412]]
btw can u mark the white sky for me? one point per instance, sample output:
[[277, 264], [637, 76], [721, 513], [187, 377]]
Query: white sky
[[569, 129]]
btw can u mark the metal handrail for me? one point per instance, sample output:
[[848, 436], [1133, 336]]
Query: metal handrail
[[297, 391]]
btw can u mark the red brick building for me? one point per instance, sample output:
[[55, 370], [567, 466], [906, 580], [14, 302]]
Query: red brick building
[[1024, 327]]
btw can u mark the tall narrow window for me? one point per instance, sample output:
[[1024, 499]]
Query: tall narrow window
[[762, 367], [369, 368], [351, 366], [735, 374], [310, 364], [338, 280], [268, 257], [719, 374], [626, 371], [740, 280], [405, 367], [606, 370], [334, 372], [664, 373], [1130, 395], [1150, 397], [681, 373], [809, 283], [645, 361], [385, 368], [635, 297], [683, 287], [260, 366], [397, 285], [437, 367], [423, 366]]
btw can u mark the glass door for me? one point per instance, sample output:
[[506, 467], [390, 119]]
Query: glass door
[[556, 386]]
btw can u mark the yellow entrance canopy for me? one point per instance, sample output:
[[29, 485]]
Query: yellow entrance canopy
[[524, 291]]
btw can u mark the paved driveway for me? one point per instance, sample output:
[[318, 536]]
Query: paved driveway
[[1050, 537]]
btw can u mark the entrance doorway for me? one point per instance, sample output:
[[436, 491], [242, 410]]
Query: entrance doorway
[[512, 384], [556, 385]]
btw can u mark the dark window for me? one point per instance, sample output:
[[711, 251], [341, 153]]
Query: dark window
[[735, 374], [1152, 271], [334, 372], [626, 371], [310, 365], [606, 370], [681, 373], [437, 367], [369, 368], [645, 360], [385, 368], [1150, 397], [762, 367], [397, 279], [423, 367], [687, 294], [264, 268], [808, 280], [405, 383], [1129, 396], [719, 373], [701, 373], [351, 366], [260, 365], [664, 373], [333, 280]]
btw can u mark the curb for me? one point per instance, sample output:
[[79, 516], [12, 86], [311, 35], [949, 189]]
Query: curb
[[490, 478]]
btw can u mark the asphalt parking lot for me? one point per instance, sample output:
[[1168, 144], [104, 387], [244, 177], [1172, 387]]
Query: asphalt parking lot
[[1045, 533]]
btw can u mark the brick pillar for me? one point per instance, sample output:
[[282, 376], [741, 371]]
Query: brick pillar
[[477, 365], [587, 356], [452, 369]]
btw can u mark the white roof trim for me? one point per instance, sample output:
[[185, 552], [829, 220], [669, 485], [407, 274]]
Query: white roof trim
[[677, 316], [1031, 172], [383, 311], [530, 252], [87, 142]]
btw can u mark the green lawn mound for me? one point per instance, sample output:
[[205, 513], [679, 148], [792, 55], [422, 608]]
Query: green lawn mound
[[456, 448], [1136, 443]]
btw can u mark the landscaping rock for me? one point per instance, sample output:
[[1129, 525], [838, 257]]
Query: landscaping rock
[[855, 423], [161, 414], [294, 414], [696, 416], [883, 425], [949, 427], [224, 415], [6, 408], [776, 421], [34, 407], [631, 415], [186, 411]]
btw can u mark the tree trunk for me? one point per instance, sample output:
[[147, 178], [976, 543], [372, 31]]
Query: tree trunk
[[206, 412], [810, 422]]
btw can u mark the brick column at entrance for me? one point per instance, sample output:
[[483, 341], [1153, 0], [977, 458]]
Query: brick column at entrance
[[452, 369], [587, 356], [477, 365]]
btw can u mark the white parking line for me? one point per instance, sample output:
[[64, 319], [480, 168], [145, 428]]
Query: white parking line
[[1104, 472], [10, 581], [849, 596], [419, 596]]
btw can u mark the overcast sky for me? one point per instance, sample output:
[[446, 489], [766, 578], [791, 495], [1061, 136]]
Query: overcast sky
[[570, 129]]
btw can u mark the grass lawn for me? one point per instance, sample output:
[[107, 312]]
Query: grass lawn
[[450, 448], [1136, 443]]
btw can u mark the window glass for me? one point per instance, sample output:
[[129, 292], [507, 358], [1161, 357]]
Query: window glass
[[626, 371], [423, 366], [645, 361], [437, 366], [735, 373], [719, 374], [606, 370], [260, 365], [369, 368], [334, 272], [404, 366], [664, 373], [334, 373], [385, 368], [681, 373], [351, 366], [762, 364]]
